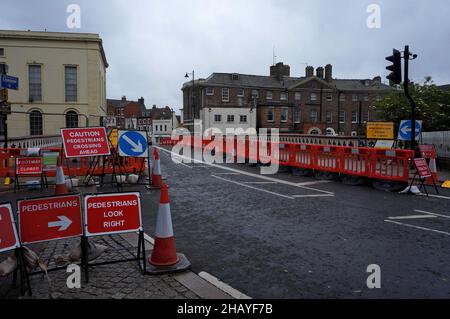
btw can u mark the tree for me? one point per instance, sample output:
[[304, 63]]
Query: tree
[[433, 106]]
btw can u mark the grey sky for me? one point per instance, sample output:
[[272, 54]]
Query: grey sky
[[150, 45]]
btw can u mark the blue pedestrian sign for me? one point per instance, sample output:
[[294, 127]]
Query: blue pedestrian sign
[[133, 144], [9, 82], [404, 132]]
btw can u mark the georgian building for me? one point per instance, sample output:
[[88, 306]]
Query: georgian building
[[316, 103], [62, 81]]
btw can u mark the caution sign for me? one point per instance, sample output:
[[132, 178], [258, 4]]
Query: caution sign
[[29, 165], [49, 218], [422, 167], [107, 214], [380, 130], [84, 142], [8, 234], [427, 151]]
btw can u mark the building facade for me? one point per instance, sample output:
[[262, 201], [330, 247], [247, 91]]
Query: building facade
[[315, 103], [62, 81]]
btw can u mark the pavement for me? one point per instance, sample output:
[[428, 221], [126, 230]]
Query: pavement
[[115, 281], [284, 236]]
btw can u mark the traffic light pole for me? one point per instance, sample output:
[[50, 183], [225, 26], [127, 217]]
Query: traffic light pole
[[410, 99]]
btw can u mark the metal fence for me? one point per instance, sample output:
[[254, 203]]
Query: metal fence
[[441, 140]]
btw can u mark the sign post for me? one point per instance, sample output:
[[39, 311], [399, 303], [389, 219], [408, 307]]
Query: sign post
[[424, 172]]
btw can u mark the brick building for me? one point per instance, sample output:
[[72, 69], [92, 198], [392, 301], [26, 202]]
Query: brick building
[[126, 112], [316, 103]]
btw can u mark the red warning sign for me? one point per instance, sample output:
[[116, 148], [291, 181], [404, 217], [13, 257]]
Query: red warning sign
[[427, 151], [50, 218], [112, 213], [8, 233], [422, 167], [29, 165], [84, 142]]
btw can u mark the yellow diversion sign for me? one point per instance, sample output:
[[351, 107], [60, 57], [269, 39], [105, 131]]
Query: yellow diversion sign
[[380, 130], [114, 137]]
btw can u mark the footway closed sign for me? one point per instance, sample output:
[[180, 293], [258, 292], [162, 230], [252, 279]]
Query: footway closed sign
[[49, 218], [107, 214], [8, 234], [84, 142]]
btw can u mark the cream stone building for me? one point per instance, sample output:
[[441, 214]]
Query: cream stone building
[[62, 82]]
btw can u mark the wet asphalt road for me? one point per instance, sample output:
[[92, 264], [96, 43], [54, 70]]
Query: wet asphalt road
[[270, 239]]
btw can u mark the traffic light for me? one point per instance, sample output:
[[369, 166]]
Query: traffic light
[[396, 67]]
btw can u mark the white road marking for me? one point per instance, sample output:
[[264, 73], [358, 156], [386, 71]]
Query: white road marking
[[255, 188], [433, 214], [223, 286], [412, 217], [226, 173], [314, 183], [438, 196], [306, 196], [260, 183], [418, 227], [271, 179]]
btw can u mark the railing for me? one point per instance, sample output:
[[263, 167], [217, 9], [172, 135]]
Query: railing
[[33, 141]]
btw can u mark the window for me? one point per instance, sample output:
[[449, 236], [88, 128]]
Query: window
[[235, 77], [355, 98], [297, 116], [329, 117], [156, 128], [378, 98], [313, 97], [2, 68], [243, 118], [165, 128], [298, 96], [35, 85], [284, 114], [36, 123], [225, 95], [71, 119], [230, 118], [161, 128], [313, 116], [342, 117], [283, 96], [2, 52], [255, 93], [217, 118], [269, 95], [270, 116], [240, 93], [342, 98], [71, 83], [329, 97], [209, 91], [354, 117], [366, 117], [366, 98]]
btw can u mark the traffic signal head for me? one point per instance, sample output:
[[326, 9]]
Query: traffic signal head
[[395, 68]]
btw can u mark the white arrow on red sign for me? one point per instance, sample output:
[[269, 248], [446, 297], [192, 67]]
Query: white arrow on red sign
[[63, 223]]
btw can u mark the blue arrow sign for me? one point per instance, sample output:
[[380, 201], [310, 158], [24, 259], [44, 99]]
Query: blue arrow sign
[[9, 82], [133, 144], [404, 132]]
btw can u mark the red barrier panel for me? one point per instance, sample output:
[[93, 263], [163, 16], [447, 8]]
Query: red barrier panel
[[355, 161]]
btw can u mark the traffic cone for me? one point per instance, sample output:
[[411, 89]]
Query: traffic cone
[[164, 257], [433, 169], [156, 171], [61, 187], [164, 252]]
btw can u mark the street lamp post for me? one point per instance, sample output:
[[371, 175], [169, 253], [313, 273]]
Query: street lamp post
[[193, 91]]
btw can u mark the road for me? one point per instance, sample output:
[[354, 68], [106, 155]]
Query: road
[[282, 236]]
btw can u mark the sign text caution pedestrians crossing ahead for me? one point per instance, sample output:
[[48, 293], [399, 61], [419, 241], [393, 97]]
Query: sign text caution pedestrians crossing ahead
[[106, 214], [50, 218], [84, 142], [422, 167], [133, 144], [29, 165], [404, 131], [9, 82], [8, 234]]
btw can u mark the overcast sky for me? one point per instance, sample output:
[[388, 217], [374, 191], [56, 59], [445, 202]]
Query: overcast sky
[[150, 45]]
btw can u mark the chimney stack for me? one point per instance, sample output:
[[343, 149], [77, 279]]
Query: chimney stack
[[319, 72], [124, 98], [279, 70], [328, 73], [141, 100], [309, 71]]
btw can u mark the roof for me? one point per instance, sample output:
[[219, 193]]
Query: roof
[[261, 81], [56, 36]]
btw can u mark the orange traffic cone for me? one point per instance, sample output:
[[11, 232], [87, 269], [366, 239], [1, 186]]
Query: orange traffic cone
[[164, 253], [156, 170], [164, 257], [433, 169], [61, 187]]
